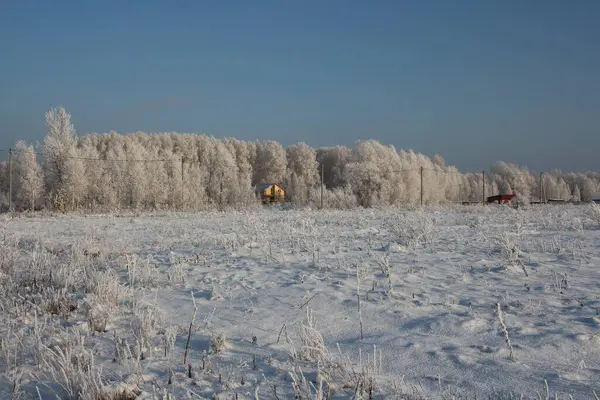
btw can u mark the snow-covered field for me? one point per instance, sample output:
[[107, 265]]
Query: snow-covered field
[[466, 302]]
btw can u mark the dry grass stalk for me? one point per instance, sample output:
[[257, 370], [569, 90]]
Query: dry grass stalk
[[187, 344], [504, 331]]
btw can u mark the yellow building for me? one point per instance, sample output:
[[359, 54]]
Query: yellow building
[[270, 193]]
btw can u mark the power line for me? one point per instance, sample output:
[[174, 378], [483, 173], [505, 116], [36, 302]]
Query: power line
[[445, 172], [188, 161], [102, 159], [198, 162]]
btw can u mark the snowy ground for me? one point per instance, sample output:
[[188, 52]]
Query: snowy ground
[[84, 297]]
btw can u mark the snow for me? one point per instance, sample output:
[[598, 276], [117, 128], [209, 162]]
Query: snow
[[255, 275]]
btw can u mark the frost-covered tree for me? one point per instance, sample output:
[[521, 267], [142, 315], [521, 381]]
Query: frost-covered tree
[[93, 172], [554, 187], [334, 160], [270, 162], [576, 196], [65, 174], [512, 178], [588, 186], [160, 180], [408, 173], [29, 186], [438, 161], [365, 180], [452, 181], [243, 192], [4, 203], [222, 179], [112, 171], [302, 169]]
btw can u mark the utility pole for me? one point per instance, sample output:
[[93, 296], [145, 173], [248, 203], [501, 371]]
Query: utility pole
[[541, 187], [322, 182], [421, 186], [483, 180], [10, 179], [182, 202]]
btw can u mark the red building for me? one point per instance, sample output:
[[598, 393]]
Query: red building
[[501, 198]]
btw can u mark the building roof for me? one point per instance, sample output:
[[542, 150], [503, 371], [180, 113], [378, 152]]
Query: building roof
[[501, 195], [264, 186], [261, 187]]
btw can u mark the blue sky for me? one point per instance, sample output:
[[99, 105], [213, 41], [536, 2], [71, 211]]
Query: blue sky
[[476, 81]]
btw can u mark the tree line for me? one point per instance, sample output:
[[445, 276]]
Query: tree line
[[180, 171]]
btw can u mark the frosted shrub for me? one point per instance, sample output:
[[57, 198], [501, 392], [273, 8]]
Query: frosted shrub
[[37, 270], [216, 292], [509, 246], [312, 345], [341, 198], [475, 221], [218, 342], [9, 254], [595, 212], [386, 270], [57, 268], [147, 321], [415, 229], [546, 220], [98, 314], [365, 379], [561, 219], [177, 274], [106, 296], [521, 199], [108, 289], [302, 388], [73, 367], [58, 302], [306, 389], [141, 273], [169, 339]]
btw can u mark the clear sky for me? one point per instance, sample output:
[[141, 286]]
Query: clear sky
[[476, 81]]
